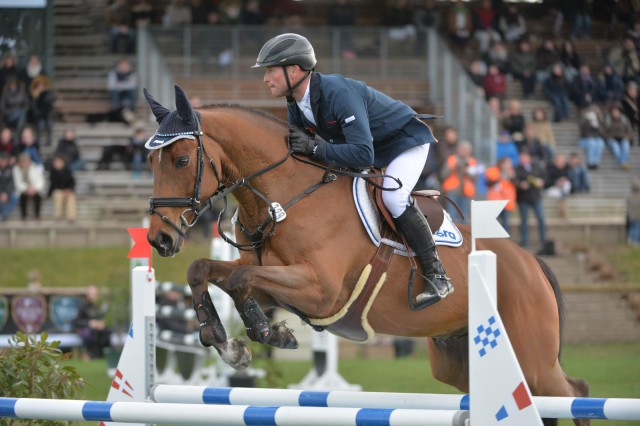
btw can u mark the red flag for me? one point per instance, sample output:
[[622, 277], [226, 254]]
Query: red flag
[[141, 248]]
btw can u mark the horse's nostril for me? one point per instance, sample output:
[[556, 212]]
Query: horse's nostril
[[164, 240]]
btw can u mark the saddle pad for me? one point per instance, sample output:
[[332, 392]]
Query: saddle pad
[[447, 235]]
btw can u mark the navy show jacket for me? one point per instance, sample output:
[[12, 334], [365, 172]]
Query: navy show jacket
[[362, 126]]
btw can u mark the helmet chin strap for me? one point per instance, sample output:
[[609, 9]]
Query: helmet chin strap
[[289, 88]]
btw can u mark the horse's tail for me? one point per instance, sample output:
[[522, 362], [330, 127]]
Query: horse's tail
[[555, 285]]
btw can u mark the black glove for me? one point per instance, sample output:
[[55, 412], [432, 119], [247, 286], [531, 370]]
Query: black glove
[[302, 143]]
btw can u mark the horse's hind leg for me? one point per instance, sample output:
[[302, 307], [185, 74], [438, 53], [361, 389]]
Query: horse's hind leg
[[212, 333]]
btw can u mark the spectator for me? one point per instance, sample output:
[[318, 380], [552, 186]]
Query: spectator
[[251, 13], [32, 69], [578, 174], [8, 69], [495, 83], [484, 18], [584, 88], [90, 324], [138, 151], [141, 13], [62, 189], [120, 21], [459, 23], [398, 16], [512, 24], [618, 132], [8, 144], [41, 107], [581, 27], [529, 182], [631, 107], [426, 16], [556, 90], [499, 56], [8, 197], [542, 128], [570, 59], [540, 154], [200, 10], [500, 187], [29, 144], [507, 148], [68, 149], [592, 135], [123, 86], [514, 121], [477, 72], [231, 12], [14, 105], [547, 56], [459, 174], [626, 60], [523, 67], [29, 182], [446, 148], [611, 85], [495, 105], [558, 184], [633, 213], [342, 15], [177, 14]]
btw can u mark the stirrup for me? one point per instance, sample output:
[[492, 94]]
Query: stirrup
[[432, 293]]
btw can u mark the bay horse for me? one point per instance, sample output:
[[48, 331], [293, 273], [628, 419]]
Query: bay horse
[[311, 262]]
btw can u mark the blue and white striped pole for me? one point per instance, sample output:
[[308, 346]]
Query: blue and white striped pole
[[549, 407], [232, 415]]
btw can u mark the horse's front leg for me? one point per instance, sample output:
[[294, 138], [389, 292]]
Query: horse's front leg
[[293, 285], [234, 352]]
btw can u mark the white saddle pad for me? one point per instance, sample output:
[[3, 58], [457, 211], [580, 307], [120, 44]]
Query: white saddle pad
[[447, 235]]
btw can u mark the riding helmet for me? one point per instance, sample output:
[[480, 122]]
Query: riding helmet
[[287, 49]]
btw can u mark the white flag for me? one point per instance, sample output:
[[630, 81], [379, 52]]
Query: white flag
[[484, 219]]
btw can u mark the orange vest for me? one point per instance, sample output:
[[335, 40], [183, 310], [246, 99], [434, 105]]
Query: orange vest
[[502, 189], [452, 182]]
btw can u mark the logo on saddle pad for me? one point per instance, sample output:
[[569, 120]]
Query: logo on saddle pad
[[447, 235]]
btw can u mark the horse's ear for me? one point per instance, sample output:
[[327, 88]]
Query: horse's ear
[[185, 111], [158, 110]]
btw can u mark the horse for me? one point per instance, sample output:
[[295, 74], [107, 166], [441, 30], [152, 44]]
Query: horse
[[309, 256]]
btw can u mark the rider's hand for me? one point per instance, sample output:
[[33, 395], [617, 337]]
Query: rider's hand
[[302, 143]]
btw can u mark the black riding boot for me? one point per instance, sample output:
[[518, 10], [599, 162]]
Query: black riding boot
[[414, 227]]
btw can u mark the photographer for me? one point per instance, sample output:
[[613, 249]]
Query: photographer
[[529, 181]]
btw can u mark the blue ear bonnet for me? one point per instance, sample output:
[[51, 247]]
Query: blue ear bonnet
[[174, 125]]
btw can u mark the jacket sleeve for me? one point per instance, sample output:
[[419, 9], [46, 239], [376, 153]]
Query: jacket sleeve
[[357, 148]]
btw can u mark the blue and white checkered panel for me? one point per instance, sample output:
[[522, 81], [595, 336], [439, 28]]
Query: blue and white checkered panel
[[487, 336]]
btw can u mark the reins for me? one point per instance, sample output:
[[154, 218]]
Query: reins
[[263, 232]]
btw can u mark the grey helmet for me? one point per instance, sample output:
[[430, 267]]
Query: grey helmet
[[287, 49]]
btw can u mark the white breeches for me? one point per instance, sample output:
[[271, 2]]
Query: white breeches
[[407, 167]]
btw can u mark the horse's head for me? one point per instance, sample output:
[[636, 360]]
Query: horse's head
[[177, 161]]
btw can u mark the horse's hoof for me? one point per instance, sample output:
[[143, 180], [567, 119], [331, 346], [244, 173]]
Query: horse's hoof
[[236, 354], [282, 336]]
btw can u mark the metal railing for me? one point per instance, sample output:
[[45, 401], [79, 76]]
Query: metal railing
[[364, 53]]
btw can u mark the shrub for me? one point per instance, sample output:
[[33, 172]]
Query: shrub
[[32, 367]]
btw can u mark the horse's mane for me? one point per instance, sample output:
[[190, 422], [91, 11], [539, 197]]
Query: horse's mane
[[257, 112]]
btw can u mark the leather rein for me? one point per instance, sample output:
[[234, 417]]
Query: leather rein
[[263, 232]]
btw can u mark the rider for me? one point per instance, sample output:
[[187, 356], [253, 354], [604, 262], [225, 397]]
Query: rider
[[350, 124]]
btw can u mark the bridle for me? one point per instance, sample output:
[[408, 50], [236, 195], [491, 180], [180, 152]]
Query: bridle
[[192, 203]]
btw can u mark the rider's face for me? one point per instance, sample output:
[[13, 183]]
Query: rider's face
[[274, 79]]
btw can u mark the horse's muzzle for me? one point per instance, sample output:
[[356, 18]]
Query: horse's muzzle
[[165, 244]]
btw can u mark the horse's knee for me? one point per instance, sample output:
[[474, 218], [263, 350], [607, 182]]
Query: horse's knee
[[198, 272], [240, 280]]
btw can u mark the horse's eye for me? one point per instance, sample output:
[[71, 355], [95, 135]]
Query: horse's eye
[[182, 162]]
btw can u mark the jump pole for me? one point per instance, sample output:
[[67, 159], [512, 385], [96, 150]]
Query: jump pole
[[549, 407], [181, 414]]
